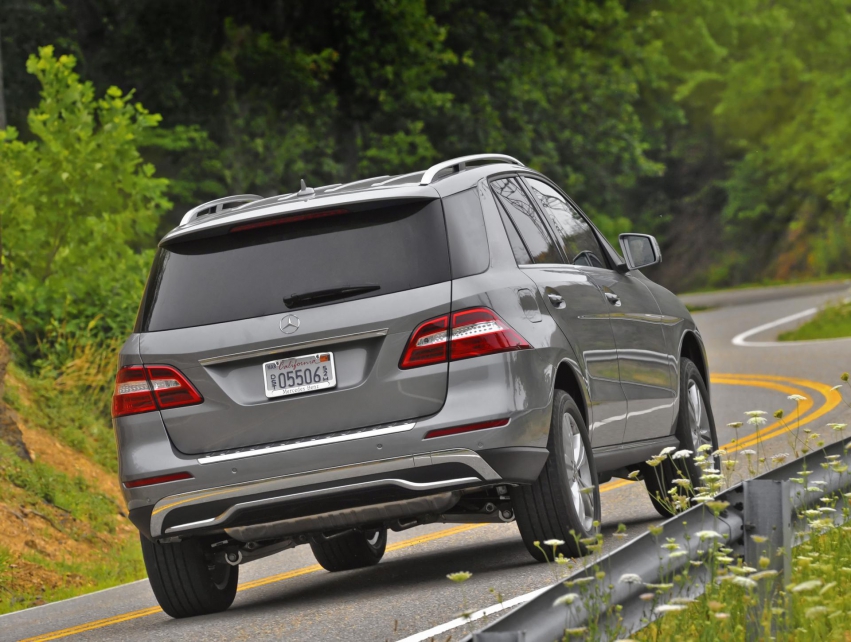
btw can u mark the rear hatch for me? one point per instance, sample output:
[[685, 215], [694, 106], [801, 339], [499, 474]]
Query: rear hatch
[[353, 282]]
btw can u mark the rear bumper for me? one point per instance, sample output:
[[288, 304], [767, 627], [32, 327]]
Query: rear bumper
[[291, 496], [337, 471]]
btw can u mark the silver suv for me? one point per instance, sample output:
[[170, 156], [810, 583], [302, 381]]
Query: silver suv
[[457, 345]]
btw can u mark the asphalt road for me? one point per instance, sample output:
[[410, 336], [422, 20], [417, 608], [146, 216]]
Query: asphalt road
[[288, 597]]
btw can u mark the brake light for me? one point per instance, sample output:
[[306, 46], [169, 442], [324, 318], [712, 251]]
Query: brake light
[[474, 333], [150, 481], [141, 389], [309, 216]]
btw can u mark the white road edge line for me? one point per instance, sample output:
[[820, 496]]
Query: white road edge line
[[461, 621], [741, 339], [71, 599]]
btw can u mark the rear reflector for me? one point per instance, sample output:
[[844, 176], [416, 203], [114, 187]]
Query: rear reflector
[[457, 430], [141, 389], [150, 481], [474, 332], [269, 222]]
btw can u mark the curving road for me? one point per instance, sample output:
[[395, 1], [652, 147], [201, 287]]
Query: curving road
[[407, 596]]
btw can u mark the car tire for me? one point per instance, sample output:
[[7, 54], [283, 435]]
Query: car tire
[[554, 506], [184, 579], [352, 549], [695, 427]]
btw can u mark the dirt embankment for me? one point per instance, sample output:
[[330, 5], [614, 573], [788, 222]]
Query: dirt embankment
[[43, 540]]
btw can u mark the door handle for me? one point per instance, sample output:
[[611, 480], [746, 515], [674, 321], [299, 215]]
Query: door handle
[[556, 299], [613, 298]]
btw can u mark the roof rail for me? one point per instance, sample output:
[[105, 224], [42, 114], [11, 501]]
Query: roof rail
[[218, 204], [460, 163]]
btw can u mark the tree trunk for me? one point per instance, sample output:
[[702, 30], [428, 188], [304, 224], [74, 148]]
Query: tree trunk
[[2, 96]]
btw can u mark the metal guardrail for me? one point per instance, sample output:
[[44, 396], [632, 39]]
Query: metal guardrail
[[767, 506]]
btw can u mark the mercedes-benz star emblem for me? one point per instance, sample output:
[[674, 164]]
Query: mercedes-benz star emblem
[[290, 324]]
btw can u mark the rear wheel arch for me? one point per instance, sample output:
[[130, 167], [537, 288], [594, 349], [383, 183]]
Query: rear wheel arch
[[567, 380]]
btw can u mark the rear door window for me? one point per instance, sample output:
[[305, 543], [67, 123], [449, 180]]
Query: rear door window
[[576, 236], [250, 273], [530, 226]]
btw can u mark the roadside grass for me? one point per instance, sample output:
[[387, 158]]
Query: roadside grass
[[71, 400], [75, 496], [59, 536], [60, 579], [815, 606], [831, 322]]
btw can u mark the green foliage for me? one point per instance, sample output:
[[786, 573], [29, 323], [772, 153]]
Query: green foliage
[[80, 207], [831, 322], [122, 563], [768, 86], [74, 496]]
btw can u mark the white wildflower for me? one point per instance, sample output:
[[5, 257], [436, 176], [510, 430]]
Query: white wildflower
[[681, 454], [566, 600], [669, 608], [630, 578], [796, 398]]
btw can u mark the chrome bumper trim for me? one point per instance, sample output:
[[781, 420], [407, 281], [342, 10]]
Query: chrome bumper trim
[[302, 345], [387, 430], [402, 483], [288, 485]]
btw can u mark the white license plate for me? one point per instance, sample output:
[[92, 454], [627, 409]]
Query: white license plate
[[299, 374]]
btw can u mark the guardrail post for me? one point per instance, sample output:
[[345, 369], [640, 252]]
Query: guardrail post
[[767, 514]]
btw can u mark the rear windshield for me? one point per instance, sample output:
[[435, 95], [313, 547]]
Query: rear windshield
[[250, 273]]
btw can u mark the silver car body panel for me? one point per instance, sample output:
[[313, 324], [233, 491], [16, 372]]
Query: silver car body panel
[[369, 434]]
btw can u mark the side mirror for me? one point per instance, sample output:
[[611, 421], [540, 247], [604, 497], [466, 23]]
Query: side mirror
[[640, 250]]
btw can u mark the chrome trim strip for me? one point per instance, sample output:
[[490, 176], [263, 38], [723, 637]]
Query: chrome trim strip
[[402, 483], [303, 345], [388, 430], [346, 474]]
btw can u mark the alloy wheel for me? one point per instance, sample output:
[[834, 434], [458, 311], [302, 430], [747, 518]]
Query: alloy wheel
[[578, 472]]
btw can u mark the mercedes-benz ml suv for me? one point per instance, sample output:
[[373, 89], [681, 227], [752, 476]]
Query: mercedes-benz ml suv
[[459, 345]]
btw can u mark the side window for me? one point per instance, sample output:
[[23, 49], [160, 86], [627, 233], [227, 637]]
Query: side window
[[521, 254], [529, 225], [576, 236], [468, 240]]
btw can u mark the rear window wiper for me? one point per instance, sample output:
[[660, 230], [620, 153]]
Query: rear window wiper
[[327, 295]]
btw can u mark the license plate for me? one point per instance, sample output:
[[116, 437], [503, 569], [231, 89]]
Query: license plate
[[299, 374]]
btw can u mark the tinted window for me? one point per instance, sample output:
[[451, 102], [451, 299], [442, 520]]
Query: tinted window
[[521, 255], [248, 274], [576, 236], [468, 241], [531, 227]]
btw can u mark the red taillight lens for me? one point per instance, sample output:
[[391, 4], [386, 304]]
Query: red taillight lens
[[480, 331], [150, 481], [141, 389], [457, 430], [474, 332], [132, 392], [427, 344]]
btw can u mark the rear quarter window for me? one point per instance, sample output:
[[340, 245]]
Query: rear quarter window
[[250, 273], [468, 240]]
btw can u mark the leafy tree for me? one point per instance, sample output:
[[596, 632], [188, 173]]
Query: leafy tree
[[79, 210]]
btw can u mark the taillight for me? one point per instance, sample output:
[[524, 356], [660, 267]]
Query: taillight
[[141, 389], [474, 332]]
